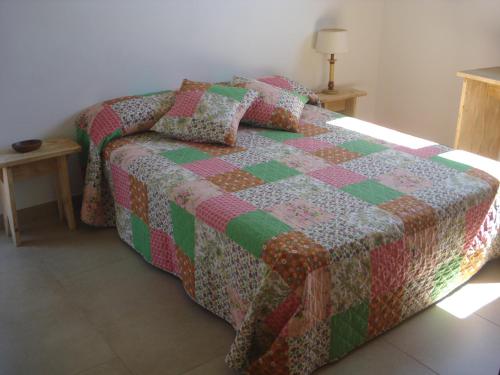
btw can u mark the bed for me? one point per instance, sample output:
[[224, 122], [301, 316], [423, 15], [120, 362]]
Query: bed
[[309, 244]]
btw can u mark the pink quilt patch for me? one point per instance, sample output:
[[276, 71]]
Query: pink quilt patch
[[124, 156], [309, 144], [163, 252], [259, 111], [121, 184], [191, 194], [424, 152], [220, 210], [300, 214], [185, 103], [305, 163], [476, 224], [337, 176], [389, 267], [210, 167], [276, 81], [404, 181], [279, 317], [105, 123]]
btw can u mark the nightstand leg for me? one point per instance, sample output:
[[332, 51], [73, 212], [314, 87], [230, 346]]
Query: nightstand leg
[[4, 208], [350, 107], [60, 206], [65, 190], [10, 203]]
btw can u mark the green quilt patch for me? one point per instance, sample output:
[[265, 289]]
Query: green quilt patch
[[280, 135], [183, 224], [451, 163], [83, 140], [303, 98], [445, 276], [271, 171], [348, 330], [362, 147], [236, 93], [185, 155], [372, 192], [253, 229], [141, 237], [118, 133]]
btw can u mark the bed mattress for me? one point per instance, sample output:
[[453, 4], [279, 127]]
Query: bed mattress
[[309, 244]]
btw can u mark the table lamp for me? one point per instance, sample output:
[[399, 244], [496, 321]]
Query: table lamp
[[331, 41]]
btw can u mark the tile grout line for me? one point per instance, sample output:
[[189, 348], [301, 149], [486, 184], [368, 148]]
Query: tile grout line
[[488, 320], [411, 356], [198, 366], [92, 367]]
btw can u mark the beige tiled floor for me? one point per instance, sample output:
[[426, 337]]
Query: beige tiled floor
[[84, 303]]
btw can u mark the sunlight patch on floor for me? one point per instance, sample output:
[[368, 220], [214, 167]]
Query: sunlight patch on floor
[[380, 132], [470, 298]]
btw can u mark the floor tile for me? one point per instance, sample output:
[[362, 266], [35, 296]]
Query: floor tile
[[124, 289], [376, 357], [490, 274], [57, 341], [491, 312], [450, 345], [169, 342]]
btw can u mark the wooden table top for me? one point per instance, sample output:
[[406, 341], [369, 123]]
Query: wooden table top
[[50, 148], [341, 94], [487, 75]]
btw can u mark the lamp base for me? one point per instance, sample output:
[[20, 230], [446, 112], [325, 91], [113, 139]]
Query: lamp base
[[328, 91]]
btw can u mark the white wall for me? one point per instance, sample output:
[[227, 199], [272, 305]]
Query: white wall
[[59, 56], [424, 44]]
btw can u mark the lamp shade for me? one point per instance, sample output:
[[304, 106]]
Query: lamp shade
[[331, 41]]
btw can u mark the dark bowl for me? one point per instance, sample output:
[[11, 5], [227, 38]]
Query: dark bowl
[[27, 146]]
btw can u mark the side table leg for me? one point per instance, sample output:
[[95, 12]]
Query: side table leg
[[60, 205], [350, 107], [4, 208], [10, 203], [65, 190]]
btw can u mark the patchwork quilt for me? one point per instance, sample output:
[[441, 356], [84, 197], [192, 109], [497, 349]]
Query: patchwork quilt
[[308, 243]]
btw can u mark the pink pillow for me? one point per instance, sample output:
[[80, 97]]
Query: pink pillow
[[275, 108], [290, 85]]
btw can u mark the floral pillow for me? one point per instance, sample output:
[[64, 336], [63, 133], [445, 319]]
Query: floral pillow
[[206, 112], [291, 85], [275, 108]]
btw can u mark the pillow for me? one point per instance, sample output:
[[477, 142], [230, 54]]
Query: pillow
[[275, 108], [206, 112], [291, 85]]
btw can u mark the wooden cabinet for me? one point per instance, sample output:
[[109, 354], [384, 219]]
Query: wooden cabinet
[[343, 101], [478, 127]]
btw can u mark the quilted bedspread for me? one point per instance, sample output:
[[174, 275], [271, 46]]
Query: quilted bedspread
[[308, 243]]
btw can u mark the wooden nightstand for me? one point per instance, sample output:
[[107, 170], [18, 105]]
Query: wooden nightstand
[[344, 101], [51, 158]]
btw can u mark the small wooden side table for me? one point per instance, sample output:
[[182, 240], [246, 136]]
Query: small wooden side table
[[478, 126], [343, 101], [51, 158]]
